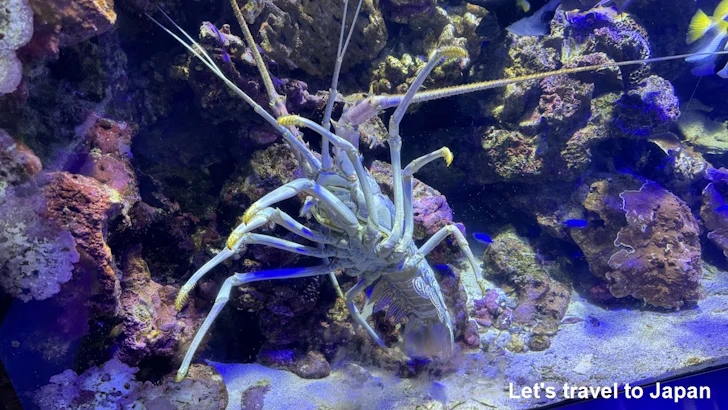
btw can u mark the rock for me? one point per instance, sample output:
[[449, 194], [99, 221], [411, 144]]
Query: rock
[[17, 162], [113, 385], [657, 256], [431, 26], [538, 343], [305, 35], [73, 21], [658, 260], [267, 170], [16, 30], [37, 255], [542, 301], [96, 388], [203, 388], [313, 366], [585, 364], [516, 344], [357, 374], [652, 107], [106, 157], [84, 207], [254, 397], [151, 326]]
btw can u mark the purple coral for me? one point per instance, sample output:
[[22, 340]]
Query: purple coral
[[113, 385], [713, 208], [431, 210], [650, 108]]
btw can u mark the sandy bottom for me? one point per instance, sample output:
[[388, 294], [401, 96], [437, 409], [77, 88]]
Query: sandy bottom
[[609, 346]]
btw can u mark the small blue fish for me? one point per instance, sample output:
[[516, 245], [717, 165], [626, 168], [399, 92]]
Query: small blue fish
[[369, 291], [577, 255], [445, 270], [438, 392], [722, 208], [576, 223], [483, 238]]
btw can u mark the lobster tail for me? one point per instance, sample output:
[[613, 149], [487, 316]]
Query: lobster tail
[[428, 339]]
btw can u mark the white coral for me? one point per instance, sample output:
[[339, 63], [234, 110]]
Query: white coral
[[16, 30], [35, 258]]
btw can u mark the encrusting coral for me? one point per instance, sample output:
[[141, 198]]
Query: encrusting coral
[[305, 34], [16, 29], [114, 384], [542, 300], [658, 260], [36, 255]]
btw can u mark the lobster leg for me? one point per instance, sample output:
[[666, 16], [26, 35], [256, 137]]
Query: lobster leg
[[234, 242], [293, 247], [440, 236], [395, 145], [330, 202], [280, 218], [407, 175], [355, 314], [224, 295], [352, 153]]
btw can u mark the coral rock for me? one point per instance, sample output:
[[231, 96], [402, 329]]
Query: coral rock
[[108, 153], [657, 259], [541, 299], [151, 327], [96, 388], [649, 108], [306, 34], [74, 20], [16, 29], [659, 256], [36, 255], [17, 162], [203, 388], [84, 207], [312, 365], [113, 385]]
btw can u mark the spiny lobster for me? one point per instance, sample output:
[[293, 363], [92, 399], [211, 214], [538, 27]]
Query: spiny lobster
[[360, 230]]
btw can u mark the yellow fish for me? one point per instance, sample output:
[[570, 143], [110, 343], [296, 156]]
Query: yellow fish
[[702, 23], [524, 4], [712, 31]]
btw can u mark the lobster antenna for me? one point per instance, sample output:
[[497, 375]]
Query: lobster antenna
[[333, 91], [293, 140], [209, 62], [486, 85], [687, 106], [275, 100]]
